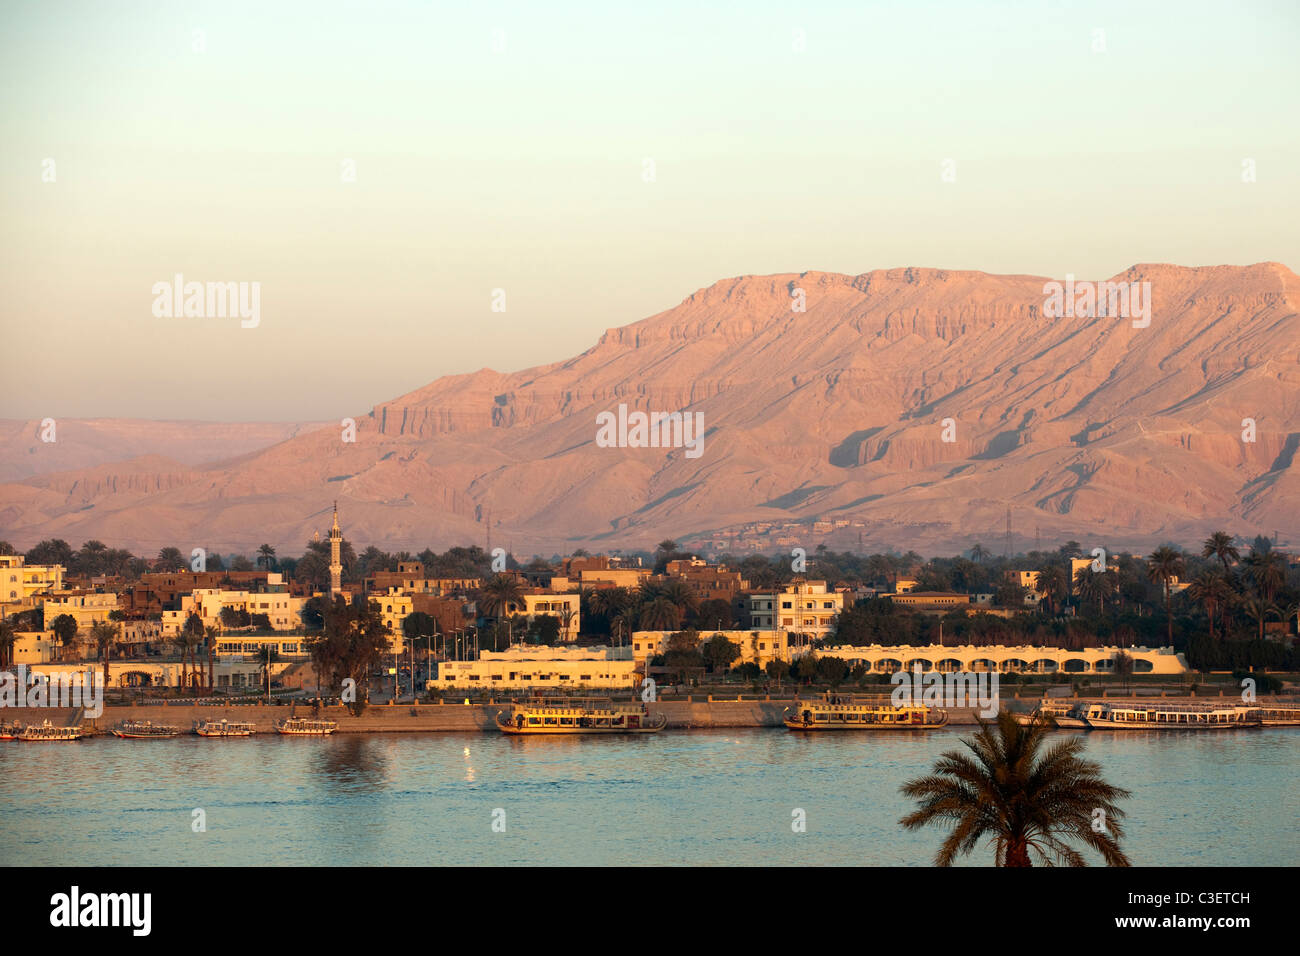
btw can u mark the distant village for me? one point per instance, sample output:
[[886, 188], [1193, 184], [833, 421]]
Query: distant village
[[465, 619]]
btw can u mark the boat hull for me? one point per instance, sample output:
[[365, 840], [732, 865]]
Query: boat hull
[[1096, 724], [794, 724]]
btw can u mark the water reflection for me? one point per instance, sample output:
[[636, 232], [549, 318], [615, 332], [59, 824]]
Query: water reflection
[[703, 797], [347, 764]]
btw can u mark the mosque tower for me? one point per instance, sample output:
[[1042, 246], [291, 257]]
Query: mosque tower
[[336, 556]]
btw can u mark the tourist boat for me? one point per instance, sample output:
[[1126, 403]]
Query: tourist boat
[[1279, 716], [579, 716], [144, 730], [47, 731], [844, 713], [1051, 713], [9, 731], [306, 726], [223, 728], [1138, 717]]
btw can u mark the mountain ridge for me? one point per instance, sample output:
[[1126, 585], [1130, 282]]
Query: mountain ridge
[[833, 413]]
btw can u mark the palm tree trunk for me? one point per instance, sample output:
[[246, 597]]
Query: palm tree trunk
[[1018, 855]]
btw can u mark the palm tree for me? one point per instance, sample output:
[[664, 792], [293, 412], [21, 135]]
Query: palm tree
[[186, 641], [659, 614], [680, 593], [1021, 800], [266, 556], [1164, 564], [1258, 610], [1266, 569], [979, 554], [1211, 589], [104, 634], [265, 656], [498, 593], [1219, 545], [566, 618], [8, 637], [1095, 585], [1053, 583], [210, 635]]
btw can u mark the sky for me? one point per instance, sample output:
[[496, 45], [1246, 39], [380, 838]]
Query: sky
[[598, 163]]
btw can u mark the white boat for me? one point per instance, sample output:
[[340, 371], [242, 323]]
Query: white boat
[[1051, 713], [306, 726], [223, 728], [48, 732], [144, 730], [1154, 717], [1274, 716]]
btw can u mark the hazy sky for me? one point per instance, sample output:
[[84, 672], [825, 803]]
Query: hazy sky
[[503, 146]]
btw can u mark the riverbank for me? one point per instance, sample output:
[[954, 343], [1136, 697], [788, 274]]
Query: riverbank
[[686, 714]]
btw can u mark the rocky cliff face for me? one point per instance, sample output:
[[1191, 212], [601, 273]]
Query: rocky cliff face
[[919, 403]]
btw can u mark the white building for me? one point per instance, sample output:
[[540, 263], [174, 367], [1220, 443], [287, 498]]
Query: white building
[[282, 609], [1004, 659], [526, 667], [805, 607]]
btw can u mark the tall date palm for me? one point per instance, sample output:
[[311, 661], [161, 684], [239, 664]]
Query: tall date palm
[[1028, 802]]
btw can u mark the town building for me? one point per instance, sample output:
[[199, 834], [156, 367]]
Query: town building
[[1005, 659], [806, 607], [21, 582], [755, 646], [282, 609], [85, 607], [932, 601], [528, 667], [708, 582]]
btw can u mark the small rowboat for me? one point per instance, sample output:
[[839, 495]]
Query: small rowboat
[[48, 732], [223, 728], [306, 727], [144, 730]]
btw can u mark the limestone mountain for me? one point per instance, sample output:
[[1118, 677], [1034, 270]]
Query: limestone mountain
[[905, 407]]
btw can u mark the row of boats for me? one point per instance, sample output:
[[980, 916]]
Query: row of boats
[[830, 712], [601, 716], [1100, 715], [148, 730], [835, 712]]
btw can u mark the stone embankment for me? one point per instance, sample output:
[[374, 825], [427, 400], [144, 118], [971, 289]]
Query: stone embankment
[[458, 716]]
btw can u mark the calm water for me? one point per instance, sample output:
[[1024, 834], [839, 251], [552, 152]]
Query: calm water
[[700, 797]]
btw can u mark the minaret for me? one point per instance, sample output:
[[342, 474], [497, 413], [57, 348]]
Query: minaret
[[336, 557]]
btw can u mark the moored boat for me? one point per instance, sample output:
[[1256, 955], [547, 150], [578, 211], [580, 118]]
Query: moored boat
[[144, 730], [48, 732], [223, 728], [1049, 712], [1274, 716], [1153, 717], [9, 731], [845, 713], [306, 727], [579, 716]]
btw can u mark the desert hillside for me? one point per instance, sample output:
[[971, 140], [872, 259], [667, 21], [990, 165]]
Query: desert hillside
[[822, 425]]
